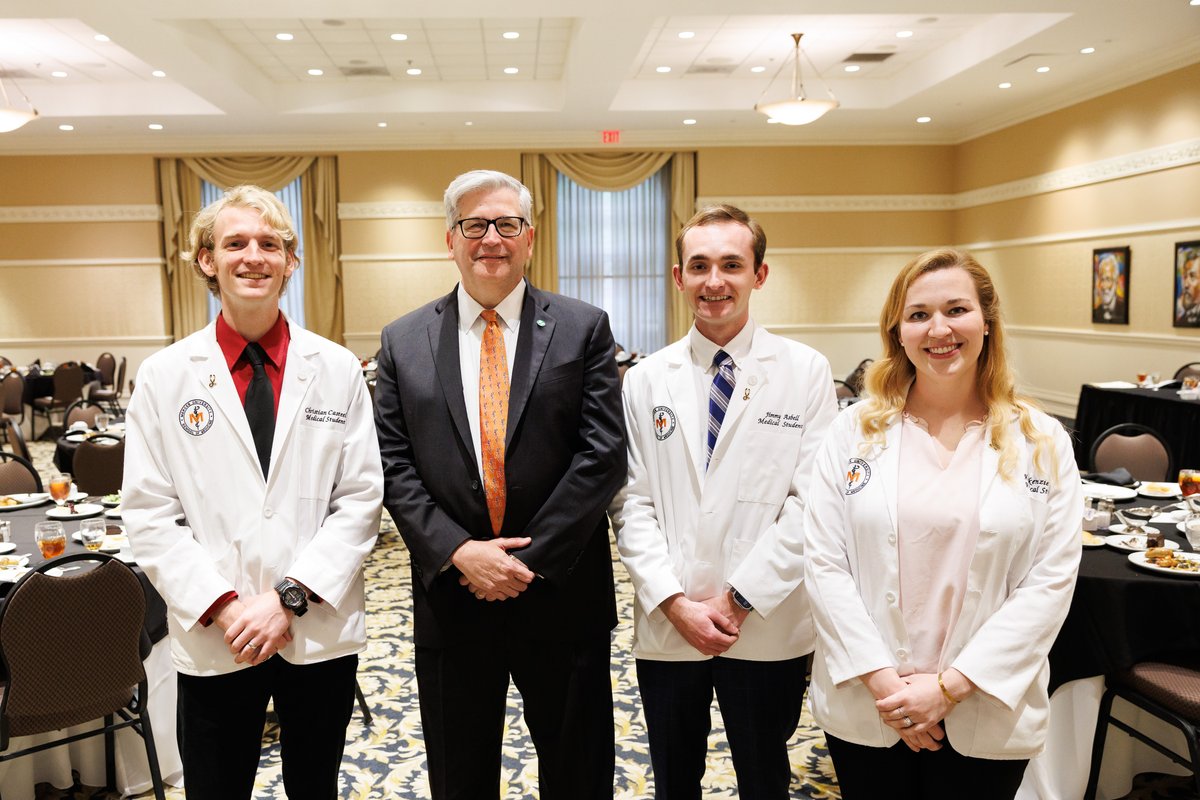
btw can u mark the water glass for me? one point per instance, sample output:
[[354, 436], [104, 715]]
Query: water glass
[[92, 532], [102, 421], [51, 538], [60, 487], [1191, 528], [5, 530]]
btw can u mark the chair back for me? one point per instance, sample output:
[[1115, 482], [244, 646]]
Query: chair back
[[99, 463], [12, 388], [17, 474], [82, 411], [855, 379], [1188, 369], [120, 381], [68, 383], [4, 362], [1137, 448], [106, 368], [841, 390], [12, 431], [73, 645]]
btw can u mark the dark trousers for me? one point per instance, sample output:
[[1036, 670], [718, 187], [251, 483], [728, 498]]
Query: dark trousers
[[897, 773], [220, 727], [760, 702], [566, 693]]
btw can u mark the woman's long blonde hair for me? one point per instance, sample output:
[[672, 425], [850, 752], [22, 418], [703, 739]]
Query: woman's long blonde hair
[[887, 380]]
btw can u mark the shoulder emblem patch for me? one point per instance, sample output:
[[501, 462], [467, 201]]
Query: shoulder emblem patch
[[664, 422], [196, 417], [858, 475]]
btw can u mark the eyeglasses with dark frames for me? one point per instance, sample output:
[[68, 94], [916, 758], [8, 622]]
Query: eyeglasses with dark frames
[[477, 227]]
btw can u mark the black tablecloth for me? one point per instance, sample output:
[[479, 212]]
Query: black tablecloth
[[23, 521], [1121, 615], [43, 385], [1177, 420]]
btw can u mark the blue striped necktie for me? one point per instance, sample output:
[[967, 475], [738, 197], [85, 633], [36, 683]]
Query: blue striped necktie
[[718, 399]]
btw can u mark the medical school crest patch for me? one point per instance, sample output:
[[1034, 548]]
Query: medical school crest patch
[[858, 474], [664, 422], [196, 417]]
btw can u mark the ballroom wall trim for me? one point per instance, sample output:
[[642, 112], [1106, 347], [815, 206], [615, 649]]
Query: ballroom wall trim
[[85, 213]]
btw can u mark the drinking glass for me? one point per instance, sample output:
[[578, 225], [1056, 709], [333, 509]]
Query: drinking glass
[[1189, 481], [60, 487], [1191, 528], [51, 538], [102, 421], [5, 530], [1141, 378], [92, 532]]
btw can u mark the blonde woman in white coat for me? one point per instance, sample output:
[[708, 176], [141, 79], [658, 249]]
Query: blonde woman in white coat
[[942, 544]]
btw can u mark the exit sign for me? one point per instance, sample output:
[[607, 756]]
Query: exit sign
[[610, 137]]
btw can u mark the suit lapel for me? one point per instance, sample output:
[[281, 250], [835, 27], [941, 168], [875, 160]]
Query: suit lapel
[[533, 339], [443, 344], [208, 365]]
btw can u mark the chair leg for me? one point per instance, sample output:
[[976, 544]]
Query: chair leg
[[1098, 744], [362, 704], [110, 756], [151, 754]]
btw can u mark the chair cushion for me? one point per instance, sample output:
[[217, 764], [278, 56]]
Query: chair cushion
[[1174, 686]]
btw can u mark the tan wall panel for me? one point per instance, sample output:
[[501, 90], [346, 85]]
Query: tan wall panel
[[77, 180], [377, 293], [112, 301], [392, 236], [414, 174], [1158, 112], [860, 229], [98, 240], [825, 288], [824, 170]]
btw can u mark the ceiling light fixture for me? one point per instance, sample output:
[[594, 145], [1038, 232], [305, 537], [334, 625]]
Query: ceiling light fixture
[[511, 35], [413, 71], [853, 68], [66, 127], [511, 70], [399, 37], [797, 109], [686, 34], [158, 73], [689, 122], [155, 126], [1005, 85], [58, 73], [284, 37], [903, 34], [1087, 51], [663, 70], [758, 69], [316, 73], [12, 117], [1043, 69], [100, 37], [923, 120]]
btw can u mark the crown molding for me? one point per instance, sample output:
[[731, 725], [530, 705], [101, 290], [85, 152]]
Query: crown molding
[[405, 209], [83, 213], [82, 262]]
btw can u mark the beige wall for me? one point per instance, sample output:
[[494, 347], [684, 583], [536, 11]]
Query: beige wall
[[1031, 201]]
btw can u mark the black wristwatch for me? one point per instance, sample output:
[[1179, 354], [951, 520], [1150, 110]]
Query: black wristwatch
[[292, 597], [742, 602]]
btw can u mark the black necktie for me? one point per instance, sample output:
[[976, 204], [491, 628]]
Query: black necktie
[[260, 405]]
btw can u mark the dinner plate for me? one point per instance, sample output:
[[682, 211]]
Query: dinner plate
[[112, 542], [1132, 542], [14, 574], [7, 547], [76, 437], [26, 500], [104, 501], [1092, 540], [82, 510], [1139, 560], [1159, 489], [1107, 492], [13, 562], [113, 513]]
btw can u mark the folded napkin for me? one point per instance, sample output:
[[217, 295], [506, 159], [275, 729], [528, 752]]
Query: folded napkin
[[1117, 477], [1169, 516], [1114, 385]]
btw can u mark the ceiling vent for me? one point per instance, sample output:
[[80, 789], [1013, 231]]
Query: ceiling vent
[[19, 74], [711, 69], [365, 72], [867, 58]]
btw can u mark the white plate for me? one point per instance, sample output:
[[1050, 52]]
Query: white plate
[[13, 562], [1139, 560], [1158, 489], [76, 437], [113, 513], [7, 547], [1107, 492], [1132, 542], [1096, 540], [26, 500], [82, 511], [14, 574], [104, 501]]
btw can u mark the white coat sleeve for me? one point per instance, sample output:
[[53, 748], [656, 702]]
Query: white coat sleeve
[[640, 538], [1006, 653], [847, 636], [774, 567]]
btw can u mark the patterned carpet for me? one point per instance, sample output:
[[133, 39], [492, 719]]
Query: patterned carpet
[[386, 760]]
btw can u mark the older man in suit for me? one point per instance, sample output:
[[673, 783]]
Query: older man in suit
[[499, 421]]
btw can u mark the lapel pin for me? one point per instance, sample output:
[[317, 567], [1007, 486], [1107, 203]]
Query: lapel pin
[[541, 323], [746, 395], [212, 381]]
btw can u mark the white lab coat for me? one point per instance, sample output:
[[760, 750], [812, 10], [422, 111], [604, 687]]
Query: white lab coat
[[741, 524], [1019, 586], [202, 521]]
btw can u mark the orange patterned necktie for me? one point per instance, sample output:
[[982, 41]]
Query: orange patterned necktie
[[493, 415]]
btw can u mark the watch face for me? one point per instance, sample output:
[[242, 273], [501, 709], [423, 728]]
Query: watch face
[[293, 597]]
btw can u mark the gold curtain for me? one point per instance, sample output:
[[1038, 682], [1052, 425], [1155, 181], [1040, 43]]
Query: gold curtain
[[606, 172], [180, 182]]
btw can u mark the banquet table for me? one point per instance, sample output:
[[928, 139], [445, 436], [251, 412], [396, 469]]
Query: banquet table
[[1119, 616], [66, 445], [54, 766], [1178, 420]]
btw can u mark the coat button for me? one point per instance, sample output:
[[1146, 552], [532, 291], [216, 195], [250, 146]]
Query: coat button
[[902, 654], [474, 486], [892, 539], [268, 512], [890, 597]]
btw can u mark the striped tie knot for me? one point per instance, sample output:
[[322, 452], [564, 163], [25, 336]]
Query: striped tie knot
[[718, 400]]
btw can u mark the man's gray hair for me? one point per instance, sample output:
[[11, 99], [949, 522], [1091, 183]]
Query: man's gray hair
[[478, 179]]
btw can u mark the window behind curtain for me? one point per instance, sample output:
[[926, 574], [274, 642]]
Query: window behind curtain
[[292, 301], [614, 252]]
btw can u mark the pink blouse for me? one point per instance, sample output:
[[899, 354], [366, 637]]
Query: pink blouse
[[938, 521]]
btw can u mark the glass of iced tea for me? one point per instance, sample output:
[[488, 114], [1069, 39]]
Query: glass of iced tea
[[60, 487], [92, 533], [51, 538], [1189, 481]]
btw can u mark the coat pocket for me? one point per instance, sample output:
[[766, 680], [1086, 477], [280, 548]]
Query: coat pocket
[[768, 462]]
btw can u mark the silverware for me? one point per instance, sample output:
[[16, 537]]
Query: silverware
[[68, 569], [1130, 527]]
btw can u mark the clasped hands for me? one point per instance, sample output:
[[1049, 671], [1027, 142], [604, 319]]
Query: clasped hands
[[489, 571], [913, 705], [255, 628], [711, 626]]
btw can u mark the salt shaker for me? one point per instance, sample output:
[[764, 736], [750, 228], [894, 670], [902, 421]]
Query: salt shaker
[[1104, 514], [1089, 514]]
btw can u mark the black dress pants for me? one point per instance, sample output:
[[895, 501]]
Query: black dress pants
[[220, 727], [760, 703]]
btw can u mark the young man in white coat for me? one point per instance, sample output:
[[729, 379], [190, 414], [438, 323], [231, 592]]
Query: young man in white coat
[[723, 426], [251, 496]]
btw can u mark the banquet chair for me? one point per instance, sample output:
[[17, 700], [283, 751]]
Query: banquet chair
[[82, 411], [4, 362], [855, 379], [12, 432], [106, 368], [841, 390], [1137, 448], [90, 668], [1170, 692], [98, 464], [68, 387], [1188, 369], [17, 474], [12, 392], [111, 394]]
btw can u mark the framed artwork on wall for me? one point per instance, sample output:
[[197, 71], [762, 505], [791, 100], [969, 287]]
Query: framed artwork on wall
[[1187, 285], [1110, 286]]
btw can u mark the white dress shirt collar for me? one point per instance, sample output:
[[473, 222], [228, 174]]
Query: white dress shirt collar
[[704, 349], [509, 309]]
